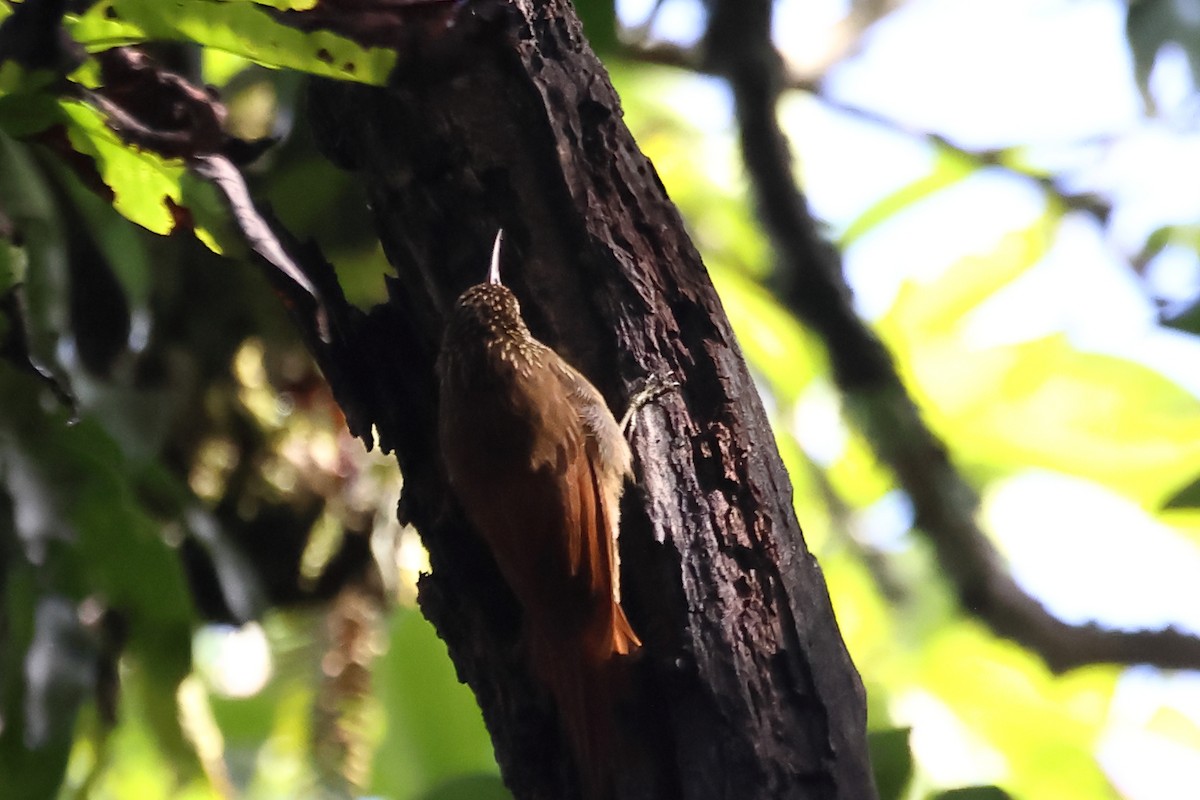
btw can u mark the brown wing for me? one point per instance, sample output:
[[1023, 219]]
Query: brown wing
[[589, 554], [606, 582], [609, 464], [531, 476], [591, 550], [593, 465]]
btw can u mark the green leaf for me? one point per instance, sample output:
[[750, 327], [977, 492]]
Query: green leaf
[[218, 67], [858, 476], [239, 27], [1001, 699], [938, 308], [1187, 497], [973, 793], [25, 773], [1156, 242], [775, 344], [1045, 404], [891, 761], [948, 169], [1187, 320], [85, 530], [141, 181], [10, 267], [123, 249], [145, 187], [1151, 24], [24, 196], [134, 759], [1039, 403], [24, 113], [469, 787], [17, 79], [599, 24], [1184, 236], [212, 217], [79, 482], [434, 728], [274, 728], [27, 201]]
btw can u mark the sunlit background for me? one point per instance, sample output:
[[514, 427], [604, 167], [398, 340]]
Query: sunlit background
[[1013, 186]]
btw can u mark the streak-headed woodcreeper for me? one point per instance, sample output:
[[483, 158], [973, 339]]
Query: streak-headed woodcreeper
[[538, 463]]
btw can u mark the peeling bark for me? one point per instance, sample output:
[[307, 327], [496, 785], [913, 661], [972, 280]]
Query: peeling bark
[[745, 689]]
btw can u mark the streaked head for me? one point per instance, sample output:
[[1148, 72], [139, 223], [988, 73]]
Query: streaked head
[[489, 308]]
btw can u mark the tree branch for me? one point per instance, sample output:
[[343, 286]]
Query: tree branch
[[672, 55], [810, 282]]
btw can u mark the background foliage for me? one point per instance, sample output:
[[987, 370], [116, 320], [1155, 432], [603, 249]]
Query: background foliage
[[205, 589]]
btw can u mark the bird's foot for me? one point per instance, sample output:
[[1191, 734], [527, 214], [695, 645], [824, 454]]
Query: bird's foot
[[649, 389]]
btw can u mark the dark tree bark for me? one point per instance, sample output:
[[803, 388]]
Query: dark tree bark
[[745, 689]]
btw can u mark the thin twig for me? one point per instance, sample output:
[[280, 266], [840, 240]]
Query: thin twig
[[672, 55]]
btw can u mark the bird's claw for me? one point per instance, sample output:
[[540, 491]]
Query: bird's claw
[[649, 389]]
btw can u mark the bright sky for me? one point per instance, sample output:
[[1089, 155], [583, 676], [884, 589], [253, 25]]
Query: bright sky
[[992, 99], [1056, 74]]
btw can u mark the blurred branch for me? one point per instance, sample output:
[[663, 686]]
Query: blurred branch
[[842, 39], [672, 55], [810, 282]]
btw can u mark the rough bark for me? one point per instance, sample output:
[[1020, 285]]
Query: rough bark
[[745, 689]]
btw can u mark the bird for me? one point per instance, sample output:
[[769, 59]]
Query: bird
[[538, 463]]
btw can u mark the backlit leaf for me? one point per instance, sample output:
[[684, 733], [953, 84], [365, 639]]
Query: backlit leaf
[[238, 27]]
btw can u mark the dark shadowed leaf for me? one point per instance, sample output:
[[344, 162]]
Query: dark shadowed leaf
[[891, 759], [599, 24], [1151, 24], [1187, 320], [1187, 497], [974, 793], [434, 729]]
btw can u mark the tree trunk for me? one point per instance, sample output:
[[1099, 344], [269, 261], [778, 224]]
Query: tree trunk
[[745, 689]]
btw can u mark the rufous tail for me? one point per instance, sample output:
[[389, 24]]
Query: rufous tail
[[587, 678]]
